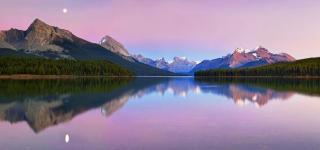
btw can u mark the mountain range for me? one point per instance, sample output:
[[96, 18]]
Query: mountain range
[[238, 59], [43, 40], [178, 65], [242, 59]]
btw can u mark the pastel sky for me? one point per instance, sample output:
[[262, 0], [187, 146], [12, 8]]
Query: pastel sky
[[197, 29]]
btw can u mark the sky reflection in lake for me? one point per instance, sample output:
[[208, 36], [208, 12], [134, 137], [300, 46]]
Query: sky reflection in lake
[[158, 113]]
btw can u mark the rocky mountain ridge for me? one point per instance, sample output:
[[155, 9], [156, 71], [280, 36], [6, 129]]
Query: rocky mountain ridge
[[41, 39], [177, 65], [240, 59]]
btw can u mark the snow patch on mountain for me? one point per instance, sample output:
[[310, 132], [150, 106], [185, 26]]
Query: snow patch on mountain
[[240, 59], [177, 65]]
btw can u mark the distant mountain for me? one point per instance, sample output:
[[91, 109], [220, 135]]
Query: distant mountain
[[144, 60], [181, 64], [51, 42], [309, 67], [114, 46], [178, 65], [240, 59]]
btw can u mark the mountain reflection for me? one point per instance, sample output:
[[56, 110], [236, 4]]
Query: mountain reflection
[[45, 103], [242, 94], [260, 90]]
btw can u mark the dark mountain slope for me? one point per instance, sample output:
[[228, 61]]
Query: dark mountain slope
[[43, 40]]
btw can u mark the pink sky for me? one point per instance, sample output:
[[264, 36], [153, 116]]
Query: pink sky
[[197, 29]]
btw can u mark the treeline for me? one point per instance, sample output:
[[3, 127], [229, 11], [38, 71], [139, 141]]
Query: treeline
[[19, 89], [42, 66], [306, 67]]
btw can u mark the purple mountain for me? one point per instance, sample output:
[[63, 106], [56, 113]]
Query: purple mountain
[[240, 59], [178, 65]]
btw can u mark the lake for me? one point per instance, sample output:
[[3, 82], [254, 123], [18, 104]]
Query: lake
[[160, 114]]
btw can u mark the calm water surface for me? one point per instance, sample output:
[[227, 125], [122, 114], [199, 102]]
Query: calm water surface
[[160, 113]]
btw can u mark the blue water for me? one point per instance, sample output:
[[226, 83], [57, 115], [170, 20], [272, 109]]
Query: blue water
[[157, 113]]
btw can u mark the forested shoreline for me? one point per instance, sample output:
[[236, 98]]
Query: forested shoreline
[[42, 66], [300, 85], [301, 68]]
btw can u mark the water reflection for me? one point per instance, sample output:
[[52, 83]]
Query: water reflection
[[45, 103], [259, 90], [244, 94]]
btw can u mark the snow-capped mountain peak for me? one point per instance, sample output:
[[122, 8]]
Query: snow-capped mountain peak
[[258, 47], [179, 58], [240, 50], [239, 59], [178, 64]]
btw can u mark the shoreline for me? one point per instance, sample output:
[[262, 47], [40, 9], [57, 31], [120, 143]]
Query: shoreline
[[288, 77], [31, 77], [34, 77]]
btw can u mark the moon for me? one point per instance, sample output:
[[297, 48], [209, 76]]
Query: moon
[[67, 138], [65, 10]]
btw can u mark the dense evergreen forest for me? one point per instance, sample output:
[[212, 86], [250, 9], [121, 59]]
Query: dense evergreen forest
[[19, 89], [302, 68], [42, 66]]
